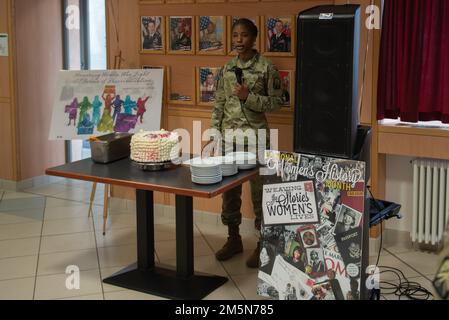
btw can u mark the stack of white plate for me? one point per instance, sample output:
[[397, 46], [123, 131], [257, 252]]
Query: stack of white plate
[[205, 171], [228, 165], [244, 160]]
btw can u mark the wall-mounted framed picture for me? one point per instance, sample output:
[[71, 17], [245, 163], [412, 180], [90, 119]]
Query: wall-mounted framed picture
[[288, 89], [180, 89], [152, 30], [206, 85], [231, 21], [211, 35], [180, 35], [278, 36]]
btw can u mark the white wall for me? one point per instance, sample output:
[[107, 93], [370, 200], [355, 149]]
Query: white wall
[[399, 189]]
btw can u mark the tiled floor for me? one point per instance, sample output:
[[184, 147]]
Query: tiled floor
[[45, 229]]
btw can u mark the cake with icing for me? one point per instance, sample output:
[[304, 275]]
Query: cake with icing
[[154, 146]]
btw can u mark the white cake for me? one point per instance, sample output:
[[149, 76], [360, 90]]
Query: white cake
[[154, 146]]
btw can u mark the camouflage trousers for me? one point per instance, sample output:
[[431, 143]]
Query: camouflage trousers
[[232, 202]]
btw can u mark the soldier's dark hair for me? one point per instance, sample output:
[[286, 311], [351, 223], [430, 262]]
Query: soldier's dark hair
[[248, 24]]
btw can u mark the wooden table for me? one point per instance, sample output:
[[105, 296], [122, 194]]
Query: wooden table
[[144, 275]]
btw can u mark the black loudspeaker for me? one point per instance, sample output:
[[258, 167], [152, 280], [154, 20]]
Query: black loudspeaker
[[326, 113]]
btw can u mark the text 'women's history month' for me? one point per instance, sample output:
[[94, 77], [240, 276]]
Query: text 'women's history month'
[[312, 227]]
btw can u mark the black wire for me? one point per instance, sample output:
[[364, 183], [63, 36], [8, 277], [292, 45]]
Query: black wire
[[410, 289], [381, 244], [374, 198]]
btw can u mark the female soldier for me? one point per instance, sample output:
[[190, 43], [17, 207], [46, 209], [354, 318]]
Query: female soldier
[[241, 104]]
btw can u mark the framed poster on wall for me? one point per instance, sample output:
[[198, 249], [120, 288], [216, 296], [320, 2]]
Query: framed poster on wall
[[211, 35], [288, 89], [278, 33], [180, 35], [206, 84], [152, 29]]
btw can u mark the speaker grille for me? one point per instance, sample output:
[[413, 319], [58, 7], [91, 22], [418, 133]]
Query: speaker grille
[[324, 41], [325, 113], [322, 86], [321, 133]]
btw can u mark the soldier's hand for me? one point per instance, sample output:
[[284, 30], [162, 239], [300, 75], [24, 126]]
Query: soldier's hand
[[241, 91], [209, 149]]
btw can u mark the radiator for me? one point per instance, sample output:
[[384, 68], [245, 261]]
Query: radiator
[[430, 201]]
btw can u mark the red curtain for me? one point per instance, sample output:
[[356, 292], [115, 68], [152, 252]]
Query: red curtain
[[414, 61]]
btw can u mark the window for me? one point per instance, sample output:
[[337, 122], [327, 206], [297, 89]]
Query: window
[[97, 35], [84, 49]]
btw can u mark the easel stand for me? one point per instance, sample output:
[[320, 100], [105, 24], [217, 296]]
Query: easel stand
[[105, 203]]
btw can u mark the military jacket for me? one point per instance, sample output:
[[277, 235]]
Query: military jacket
[[265, 95]]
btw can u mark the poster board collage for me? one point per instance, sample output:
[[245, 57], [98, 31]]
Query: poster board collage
[[212, 36], [312, 228], [97, 102]]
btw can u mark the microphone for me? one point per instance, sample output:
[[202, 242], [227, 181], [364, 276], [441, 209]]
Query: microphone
[[239, 75]]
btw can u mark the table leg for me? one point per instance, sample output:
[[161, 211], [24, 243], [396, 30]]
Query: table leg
[[145, 229], [163, 281], [184, 236]]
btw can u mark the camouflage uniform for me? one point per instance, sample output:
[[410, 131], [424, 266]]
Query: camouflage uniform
[[265, 94]]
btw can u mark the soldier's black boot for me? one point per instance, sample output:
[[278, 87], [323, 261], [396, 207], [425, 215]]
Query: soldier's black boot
[[254, 258], [232, 247]]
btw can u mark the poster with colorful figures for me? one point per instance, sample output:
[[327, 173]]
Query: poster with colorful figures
[[95, 103], [311, 237]]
